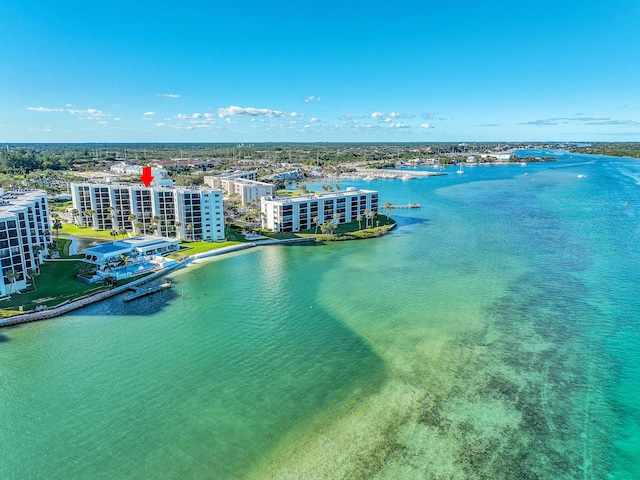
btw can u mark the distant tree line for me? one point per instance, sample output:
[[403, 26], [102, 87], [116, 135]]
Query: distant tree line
[[24, 161]]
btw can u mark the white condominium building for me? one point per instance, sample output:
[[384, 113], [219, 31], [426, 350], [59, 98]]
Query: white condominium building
[[292, 214], [24, 236], [244, 184], [185, 213]]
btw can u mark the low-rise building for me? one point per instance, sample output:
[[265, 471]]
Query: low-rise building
[[130, 257], [24, 236], [292, 214], [160, 175]]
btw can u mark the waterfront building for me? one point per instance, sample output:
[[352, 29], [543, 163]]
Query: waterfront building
[[131, 256], [292, 214], [24, 236], [174, 212]]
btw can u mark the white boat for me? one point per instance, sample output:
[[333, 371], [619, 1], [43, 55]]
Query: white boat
[[582, 176], [460, 170], [524, 164]]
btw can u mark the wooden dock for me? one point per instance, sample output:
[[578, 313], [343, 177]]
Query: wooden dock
[[408, 205], [144, 291]]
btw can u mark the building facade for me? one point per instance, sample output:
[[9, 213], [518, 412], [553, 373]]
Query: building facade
[[24, 236], [292, 214], [243, 184], [173, 212]]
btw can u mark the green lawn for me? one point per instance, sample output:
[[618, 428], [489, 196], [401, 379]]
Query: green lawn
[[76, 231], [191, 248], [55, 284]]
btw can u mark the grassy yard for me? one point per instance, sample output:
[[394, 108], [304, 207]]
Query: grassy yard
[[55, 284], [76, 231], [191, 248]]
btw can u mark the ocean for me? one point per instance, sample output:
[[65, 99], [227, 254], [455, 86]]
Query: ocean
[[494, 334]]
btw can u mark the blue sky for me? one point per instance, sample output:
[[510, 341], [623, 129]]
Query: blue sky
[[255, 71]]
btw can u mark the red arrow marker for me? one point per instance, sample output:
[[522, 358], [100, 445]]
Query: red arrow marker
[[146, 176]]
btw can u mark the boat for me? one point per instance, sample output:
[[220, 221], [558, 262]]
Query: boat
[[524, 164], [460, 170], [582, 176]]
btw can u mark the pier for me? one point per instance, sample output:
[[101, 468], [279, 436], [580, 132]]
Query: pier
[[144, 291], [408, 205]]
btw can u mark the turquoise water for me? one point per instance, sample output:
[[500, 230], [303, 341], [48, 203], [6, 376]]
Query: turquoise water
[[494, 334]]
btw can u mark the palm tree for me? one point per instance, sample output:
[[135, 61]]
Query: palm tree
[[336, 217], [124, 262], [315, 220], [189, 227], [155, 223], [359, 219], [37, 249], [328, 228], [113, 233], [12, 276], [131, 218], [122, 231], [373, 215], [89, 213], [57, 226], [389, 218], [387, 207], [31, 275], [138, 226], [228, 221], [74, 214], [367, 212]]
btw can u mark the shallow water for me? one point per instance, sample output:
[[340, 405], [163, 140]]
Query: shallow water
[[494, 334]]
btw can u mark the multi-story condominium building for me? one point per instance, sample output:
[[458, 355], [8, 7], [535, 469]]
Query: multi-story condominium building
[[292, 214], [185, 213], [244, 184], [24, 236], [217, 180]]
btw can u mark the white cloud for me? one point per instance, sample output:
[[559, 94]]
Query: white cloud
[[149, 114], [387, 120], [45, 109], [91, 113], [103, 123], [426, 125], [68, 105], [346, 117], [168, 95], [401, 115], [375, 115], [234, 111], [399, 125], [428, 116], [117, 119], [313, 120], [309, 99]]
